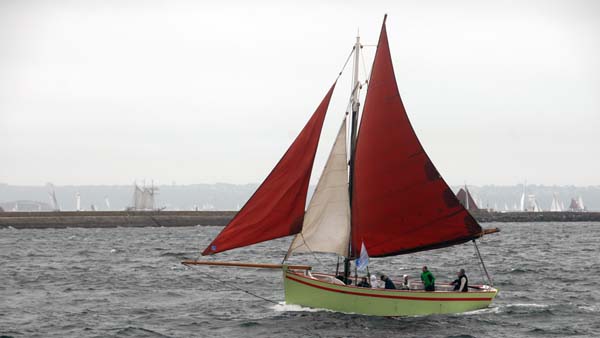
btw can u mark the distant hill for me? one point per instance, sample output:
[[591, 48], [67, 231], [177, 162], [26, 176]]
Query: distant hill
[[25, 205], [223, 196]]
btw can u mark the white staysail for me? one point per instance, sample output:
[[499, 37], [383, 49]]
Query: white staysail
[[326, 226]]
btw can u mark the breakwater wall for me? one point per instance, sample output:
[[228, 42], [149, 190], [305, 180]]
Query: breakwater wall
[[544, 216], [113, 219]]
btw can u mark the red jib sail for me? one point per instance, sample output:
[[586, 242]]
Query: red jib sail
[[400, 203], [277, 207]]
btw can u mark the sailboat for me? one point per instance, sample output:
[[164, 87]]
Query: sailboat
[[465, 198], [379, 195], [555, 206]]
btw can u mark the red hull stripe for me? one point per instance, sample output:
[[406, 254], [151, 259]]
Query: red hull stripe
[[389, 296]]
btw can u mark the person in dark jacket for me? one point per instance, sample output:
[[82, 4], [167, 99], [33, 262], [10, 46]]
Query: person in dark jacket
[[363, 283], [461, 284], [428, 279], [388, 282]]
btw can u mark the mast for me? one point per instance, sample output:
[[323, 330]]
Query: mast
[[355, 106], [467, 195]]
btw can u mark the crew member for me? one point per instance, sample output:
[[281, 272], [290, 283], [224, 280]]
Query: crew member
[[428, 279], [388, 282], [461, 284]]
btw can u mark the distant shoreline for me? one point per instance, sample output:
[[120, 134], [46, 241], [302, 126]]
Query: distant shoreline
[[114, 219]]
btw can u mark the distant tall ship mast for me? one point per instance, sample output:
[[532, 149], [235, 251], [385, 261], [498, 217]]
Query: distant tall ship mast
[[143, 197]]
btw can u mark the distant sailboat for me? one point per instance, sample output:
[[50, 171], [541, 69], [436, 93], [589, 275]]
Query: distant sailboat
[[388, 199], [53, 200], [555, 206], [143, 197], [580, 203], [533, 204], [522, 205], [576, 204], [465, 198], [522, 208]]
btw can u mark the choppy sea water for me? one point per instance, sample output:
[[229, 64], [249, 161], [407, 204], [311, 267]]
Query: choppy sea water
[[128, 282]]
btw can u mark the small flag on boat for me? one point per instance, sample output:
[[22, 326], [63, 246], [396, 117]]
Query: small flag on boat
[[363, 260]]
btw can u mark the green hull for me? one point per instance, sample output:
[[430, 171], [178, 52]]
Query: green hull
[[320, 293]]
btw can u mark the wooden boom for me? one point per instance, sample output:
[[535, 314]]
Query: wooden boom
[[248, 265], [488, 231]]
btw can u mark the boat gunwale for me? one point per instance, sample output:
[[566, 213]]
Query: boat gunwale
[[290, 274]]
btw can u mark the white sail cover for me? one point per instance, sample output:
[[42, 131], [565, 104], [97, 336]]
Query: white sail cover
[[326, 226]]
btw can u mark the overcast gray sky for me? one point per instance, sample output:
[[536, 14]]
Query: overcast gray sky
[[105, 92]]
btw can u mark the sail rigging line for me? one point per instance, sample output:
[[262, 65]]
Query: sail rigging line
[[305, 244], [367, 76], [483, 264], [346, 63], [235, 287]]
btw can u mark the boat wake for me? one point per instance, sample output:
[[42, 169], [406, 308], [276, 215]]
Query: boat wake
[[283, 307], [521, 308]]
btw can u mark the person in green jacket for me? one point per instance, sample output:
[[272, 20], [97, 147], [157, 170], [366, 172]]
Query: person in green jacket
[[428, 280]]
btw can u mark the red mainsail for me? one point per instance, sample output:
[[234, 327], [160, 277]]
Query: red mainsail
[[400, 203], [277, 207]]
